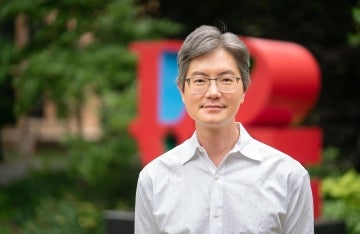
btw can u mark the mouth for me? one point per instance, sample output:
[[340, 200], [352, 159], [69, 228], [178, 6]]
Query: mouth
[[212, 107]]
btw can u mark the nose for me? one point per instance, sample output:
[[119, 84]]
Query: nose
[[213, 88]]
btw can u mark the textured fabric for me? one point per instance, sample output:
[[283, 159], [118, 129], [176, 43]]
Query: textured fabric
[[255, 189]]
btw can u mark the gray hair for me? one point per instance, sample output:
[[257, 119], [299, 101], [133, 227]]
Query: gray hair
[[205, 39]]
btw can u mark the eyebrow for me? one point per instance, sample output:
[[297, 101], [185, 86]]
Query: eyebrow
[[198, 73], [226, 72]]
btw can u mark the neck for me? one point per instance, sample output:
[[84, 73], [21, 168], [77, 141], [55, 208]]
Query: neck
[[218, 141]]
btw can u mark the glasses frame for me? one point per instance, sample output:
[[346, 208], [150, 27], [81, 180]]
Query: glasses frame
[[216, 82]]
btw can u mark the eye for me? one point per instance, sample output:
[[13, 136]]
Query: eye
[[199, 81], [226, 80]]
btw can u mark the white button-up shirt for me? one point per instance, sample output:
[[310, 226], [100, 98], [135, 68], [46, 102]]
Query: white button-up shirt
[[255, 189]]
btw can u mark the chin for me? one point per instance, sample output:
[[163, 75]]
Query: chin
[[213, 122]]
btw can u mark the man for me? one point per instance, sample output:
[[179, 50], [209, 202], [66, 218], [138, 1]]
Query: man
[[220, 180]]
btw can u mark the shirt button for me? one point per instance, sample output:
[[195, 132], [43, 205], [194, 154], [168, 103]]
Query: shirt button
[[216, 177]]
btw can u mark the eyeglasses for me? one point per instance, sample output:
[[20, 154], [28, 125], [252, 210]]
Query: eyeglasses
[[226, 84]]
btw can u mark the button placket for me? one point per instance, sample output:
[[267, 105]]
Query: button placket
[[216, 203]]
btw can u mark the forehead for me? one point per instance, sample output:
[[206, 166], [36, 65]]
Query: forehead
[[213, 63]]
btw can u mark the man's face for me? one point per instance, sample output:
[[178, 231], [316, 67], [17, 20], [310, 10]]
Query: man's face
[[213, 108]]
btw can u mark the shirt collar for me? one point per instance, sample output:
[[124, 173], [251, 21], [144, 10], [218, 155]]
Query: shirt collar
[[246, 145], [191, 146]]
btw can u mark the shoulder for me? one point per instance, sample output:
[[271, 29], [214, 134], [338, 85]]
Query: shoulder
[[271, 153], [276, 162], [259, 151], [279, 168]]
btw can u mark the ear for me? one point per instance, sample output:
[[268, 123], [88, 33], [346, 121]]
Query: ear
[[242, 98], [181, 93]]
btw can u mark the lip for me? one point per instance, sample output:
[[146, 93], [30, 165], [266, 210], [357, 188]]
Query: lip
[[213, 107]]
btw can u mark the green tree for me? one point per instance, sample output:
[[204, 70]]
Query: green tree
[[76, 44], [354, 37], [77, 47]]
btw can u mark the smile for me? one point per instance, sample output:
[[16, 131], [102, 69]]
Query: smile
[[212, 106]]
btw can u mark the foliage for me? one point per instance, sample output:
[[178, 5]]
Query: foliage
[[340, 187], [107, 171], [76, 48], [341, 191], [67, 215], [354, 38], [331, 165], [72, 198], [19, 199], [78, 44], [342, 199]]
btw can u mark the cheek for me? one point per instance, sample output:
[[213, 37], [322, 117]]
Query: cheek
[[239, 99], [191, 101]]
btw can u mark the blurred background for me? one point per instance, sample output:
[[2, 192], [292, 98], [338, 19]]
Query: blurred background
[[68, 94]]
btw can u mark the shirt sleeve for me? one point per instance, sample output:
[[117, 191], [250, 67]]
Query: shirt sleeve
[[144, 218], [300, 211]]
